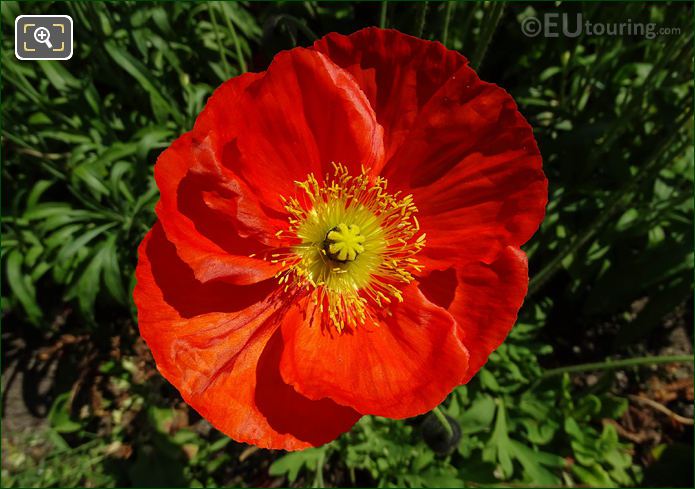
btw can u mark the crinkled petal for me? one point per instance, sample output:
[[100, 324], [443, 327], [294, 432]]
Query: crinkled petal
[[209, 214], [458, 144], [474, 170], [217, 225], [398, 73], [483, 298], [403, 366], [303, 115], [219, 345]]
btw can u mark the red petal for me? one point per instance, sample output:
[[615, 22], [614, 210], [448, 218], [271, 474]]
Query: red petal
[[219, 345], [218, 115], [457, 143], [403, 366], [397, 72], [475, 172], [213, 219], [303, 115], [485, 303]]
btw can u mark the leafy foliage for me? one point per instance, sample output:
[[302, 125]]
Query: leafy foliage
[[613, 117], [516, 426]]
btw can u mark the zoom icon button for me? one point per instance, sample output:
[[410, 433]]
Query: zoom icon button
[[43, 37]]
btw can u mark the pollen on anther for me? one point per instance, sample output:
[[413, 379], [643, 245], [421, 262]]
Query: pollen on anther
[[349, 288]]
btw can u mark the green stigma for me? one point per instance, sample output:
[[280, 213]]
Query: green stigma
[[343, 243]]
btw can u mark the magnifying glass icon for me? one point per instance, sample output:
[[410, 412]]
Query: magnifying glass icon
[[43, 36]]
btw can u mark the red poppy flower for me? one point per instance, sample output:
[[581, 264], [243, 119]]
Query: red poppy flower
[[339, 236]]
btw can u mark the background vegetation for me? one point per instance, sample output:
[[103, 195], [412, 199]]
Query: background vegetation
[[611, 267]]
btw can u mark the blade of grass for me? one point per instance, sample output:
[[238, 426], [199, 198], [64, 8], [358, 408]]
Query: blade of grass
[[620, 199], [468, 20], [615, 364], [447, 20], [421, 18], [490, 24], [237, 46], [139, 71], [382, 14], [219, 41]]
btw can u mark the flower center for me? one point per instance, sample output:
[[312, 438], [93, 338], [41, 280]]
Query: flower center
[[343, 243], [350, 245]]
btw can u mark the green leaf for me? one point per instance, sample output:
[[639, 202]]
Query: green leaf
[[59, 415], [112, 271], [594, 476], [21, 286], [219, 444], [117, 185], [87, 285], [497, 449], [422, 460], [45, 210], [613, 407], [587, 407], [533, 462], [161, 417], [90, 177], [478, 417], [59, 77], [488, 380], [439, 477], [292, 463], [37, 191], [540, 432], [161, 104], [68, 251]]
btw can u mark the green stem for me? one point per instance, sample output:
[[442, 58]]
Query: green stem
[[614, 364], [618, 202], [237, 45], [382, 15], [318, 478], [219, 41], [443, 421], [633, 104], [308, 33], [468, 21], [421, 18], [447, 20], [488, 29]]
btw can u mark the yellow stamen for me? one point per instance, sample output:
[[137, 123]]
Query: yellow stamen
[[353, 245]]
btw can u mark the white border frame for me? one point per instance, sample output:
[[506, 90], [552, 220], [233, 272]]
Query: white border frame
[[72, 40]]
